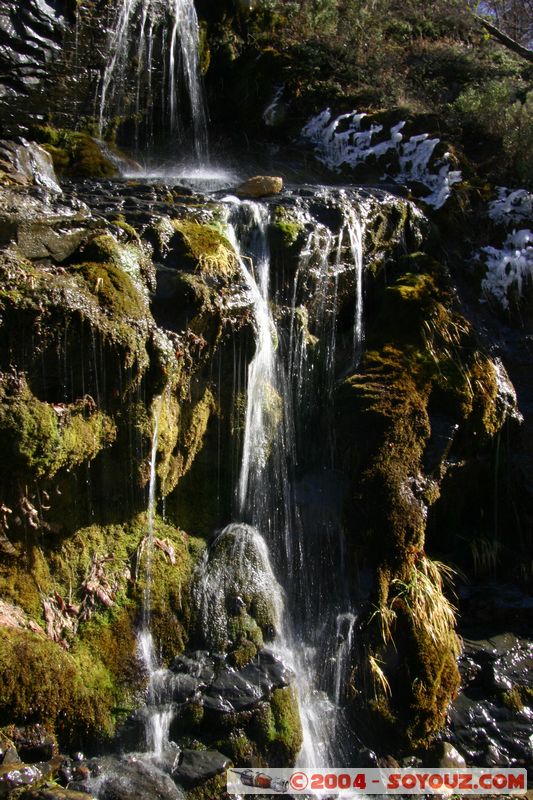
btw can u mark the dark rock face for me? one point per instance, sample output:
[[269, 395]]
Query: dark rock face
[[197, 766], [219, 687], [114, 779], [34, 743], [31, 34], [490, 721]]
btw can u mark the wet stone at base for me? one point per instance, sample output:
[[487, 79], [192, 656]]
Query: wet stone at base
[[231, 690], [197, 766]]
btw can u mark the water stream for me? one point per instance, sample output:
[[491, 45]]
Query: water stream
[[135, 37], [160, 711], [304, 538]]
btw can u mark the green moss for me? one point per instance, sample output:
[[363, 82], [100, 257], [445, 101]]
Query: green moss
[[246, 627], [110, 636], [434, 680], [49, 302], [512, 699], [74, 154], [242, 654], [285, 228], [182, 430], [288, 737], [24, 578], [114, 289], [72, 693], [213, 789], [240, 749], [202, 246], [126, 228], [42, 438], [169, 590]]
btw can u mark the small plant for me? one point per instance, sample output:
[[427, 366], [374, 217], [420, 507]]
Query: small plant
[[423, 595], [485, 555], [380, 679]]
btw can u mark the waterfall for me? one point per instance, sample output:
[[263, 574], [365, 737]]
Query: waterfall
[[132, 37], [305, 540], [185, 36], [159, 712]]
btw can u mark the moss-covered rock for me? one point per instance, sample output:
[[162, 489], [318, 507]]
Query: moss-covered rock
[[423, 368], [277, 728], [75, 154], [235, 592], [41, 682], [202, 246], [43, 438]]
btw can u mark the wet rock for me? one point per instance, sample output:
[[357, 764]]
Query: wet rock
[[16, 776], [221, 688], [490, 720], [197, 766], [56, 793], [41, 226], [260, 186], [237, 565], [26, 164], [366, 758], [130, 779], [200, 665], [38, 240], [448, 756], [10, 757]]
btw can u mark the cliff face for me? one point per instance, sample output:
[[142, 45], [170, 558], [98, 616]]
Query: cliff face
[[31, 38]]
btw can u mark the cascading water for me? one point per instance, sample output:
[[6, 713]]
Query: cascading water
[[305, 539], [135, 27], [159, 712]]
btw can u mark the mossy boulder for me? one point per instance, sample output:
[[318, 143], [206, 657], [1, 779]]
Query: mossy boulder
[[75, 154], [235, 592], [122, 251], [201, 246], [423, 371], [43, 438], [71, 692]]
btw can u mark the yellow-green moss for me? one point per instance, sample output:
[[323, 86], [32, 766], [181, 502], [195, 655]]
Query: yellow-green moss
[[285, 228], [213, 789], [242, 654], [202, 246], [114, 289], [73, 693], [182, 432], [286, 745], [74, 154], [110, 636], [169, 591], [42, 439], [24, 579], [131, 257]]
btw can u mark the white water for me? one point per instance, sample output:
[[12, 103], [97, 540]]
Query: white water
[[184, 48], [159, 715], [309, 629], [134, 28]]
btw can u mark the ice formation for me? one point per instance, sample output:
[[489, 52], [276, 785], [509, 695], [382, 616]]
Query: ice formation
[[509, 266], [512, 205], [352, 146]]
